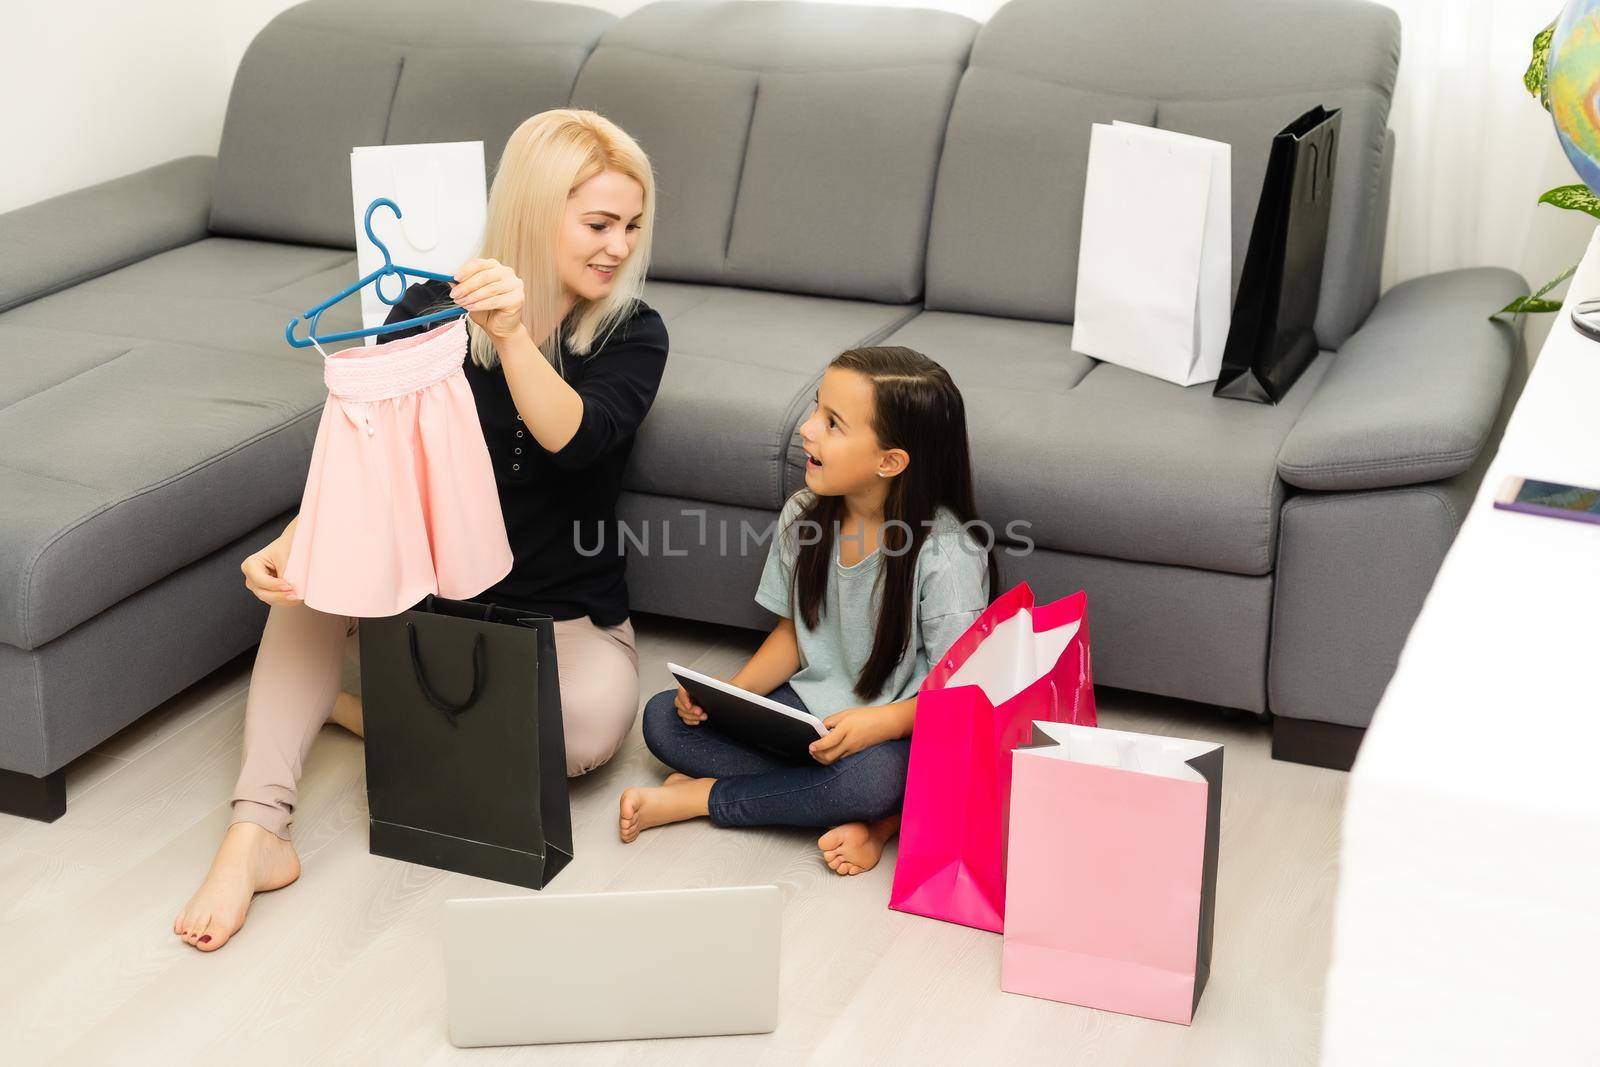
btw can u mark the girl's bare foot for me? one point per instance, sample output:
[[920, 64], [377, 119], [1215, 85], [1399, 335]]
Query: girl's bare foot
[[643, 808], [347, 713], [856, 847], [674, 778], [252, 860]]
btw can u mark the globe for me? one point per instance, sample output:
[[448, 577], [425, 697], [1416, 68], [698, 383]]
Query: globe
[[1573, 84]]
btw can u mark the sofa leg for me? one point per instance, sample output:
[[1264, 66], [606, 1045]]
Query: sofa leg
[[1321, 744], [44, 798]]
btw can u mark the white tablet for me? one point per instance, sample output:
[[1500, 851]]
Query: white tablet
[[753, 719]]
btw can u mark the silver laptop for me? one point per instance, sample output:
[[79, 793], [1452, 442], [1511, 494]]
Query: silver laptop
[[532, 970]]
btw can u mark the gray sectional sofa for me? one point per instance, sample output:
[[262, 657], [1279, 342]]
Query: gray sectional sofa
[[829, 176]]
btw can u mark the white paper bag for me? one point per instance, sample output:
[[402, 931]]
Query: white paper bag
[[1155, 263], [442, 195]]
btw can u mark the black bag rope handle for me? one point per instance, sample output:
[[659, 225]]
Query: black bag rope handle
[[479, 670]]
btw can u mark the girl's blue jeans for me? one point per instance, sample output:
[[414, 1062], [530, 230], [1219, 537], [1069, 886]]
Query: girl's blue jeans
[[757, 788]]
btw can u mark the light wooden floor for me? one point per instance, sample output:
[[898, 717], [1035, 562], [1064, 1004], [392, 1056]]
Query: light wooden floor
[[345, 966]]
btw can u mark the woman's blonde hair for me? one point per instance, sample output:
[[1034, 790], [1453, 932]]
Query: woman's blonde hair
[[549, 156]]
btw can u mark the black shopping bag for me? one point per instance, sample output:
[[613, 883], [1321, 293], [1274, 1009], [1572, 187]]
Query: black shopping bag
[[466, 762], [1270, 340]]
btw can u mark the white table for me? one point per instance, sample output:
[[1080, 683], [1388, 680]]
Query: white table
[[1467, 923]]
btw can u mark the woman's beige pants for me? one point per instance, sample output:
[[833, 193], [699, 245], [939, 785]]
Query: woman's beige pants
[[307, 656]]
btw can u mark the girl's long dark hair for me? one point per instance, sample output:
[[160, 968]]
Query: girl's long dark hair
[[915, 407]]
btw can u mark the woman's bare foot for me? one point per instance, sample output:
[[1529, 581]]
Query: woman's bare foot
[[674, 778], [856, 847], [252, 860], [347, 713], [643, 808]]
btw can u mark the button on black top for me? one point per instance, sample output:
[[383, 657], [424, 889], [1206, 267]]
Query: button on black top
[[553, 502]]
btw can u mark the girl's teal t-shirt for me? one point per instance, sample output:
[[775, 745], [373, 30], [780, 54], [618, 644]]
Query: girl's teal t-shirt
[[952, 589]]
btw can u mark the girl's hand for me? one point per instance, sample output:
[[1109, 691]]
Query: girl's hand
[[849, 731], [691, 713], [492, 295], [263, 574]]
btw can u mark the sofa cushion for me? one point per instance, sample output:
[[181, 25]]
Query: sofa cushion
[[331, 74], [742, 368], [59, 242], [1007, 215], [795, 144], [35, 358], [220, 292], [1101, 460], [150, 416]]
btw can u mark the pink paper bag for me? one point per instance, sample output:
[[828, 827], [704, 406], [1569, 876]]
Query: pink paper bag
[[1113, 870], [1016, 664]]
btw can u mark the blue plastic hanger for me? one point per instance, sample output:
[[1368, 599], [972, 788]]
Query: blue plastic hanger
[[375, 279]]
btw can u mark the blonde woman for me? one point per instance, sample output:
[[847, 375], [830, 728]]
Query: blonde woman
[[564, 359]]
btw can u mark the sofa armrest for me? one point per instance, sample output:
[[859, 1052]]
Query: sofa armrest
[[71, 238], [1411, 397]]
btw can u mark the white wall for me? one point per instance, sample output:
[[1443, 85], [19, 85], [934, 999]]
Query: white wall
[[98, 88], [1474, 150]]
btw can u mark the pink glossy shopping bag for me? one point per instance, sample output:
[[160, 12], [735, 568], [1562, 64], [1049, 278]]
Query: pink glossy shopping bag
[[1111, 882], [1019, 662]]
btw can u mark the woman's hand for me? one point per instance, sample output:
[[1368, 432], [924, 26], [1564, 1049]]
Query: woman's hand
[[263, 574], [850, 731], [492, 294], [691, 713]]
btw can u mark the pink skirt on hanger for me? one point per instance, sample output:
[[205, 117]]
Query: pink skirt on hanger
[[400, 501]]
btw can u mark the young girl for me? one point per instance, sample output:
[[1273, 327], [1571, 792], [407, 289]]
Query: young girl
[[873, 577]]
